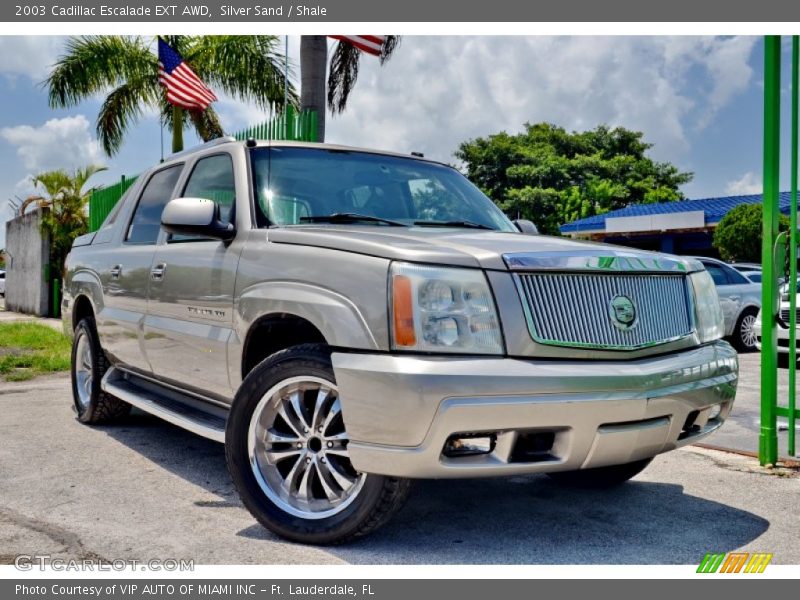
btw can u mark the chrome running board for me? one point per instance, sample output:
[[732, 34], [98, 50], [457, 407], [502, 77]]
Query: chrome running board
[[168, 404]]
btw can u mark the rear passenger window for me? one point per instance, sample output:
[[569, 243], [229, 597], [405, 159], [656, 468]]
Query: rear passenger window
[[736, 278], [146, 221], [717, 274], [212, 179], [112, 216]]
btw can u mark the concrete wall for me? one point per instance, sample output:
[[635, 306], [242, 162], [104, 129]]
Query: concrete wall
[[27, 256]]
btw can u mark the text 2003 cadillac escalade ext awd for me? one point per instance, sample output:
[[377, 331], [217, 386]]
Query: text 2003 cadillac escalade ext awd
[[348, 320]]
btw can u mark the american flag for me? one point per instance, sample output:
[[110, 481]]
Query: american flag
[[184, 88], [371, 44]]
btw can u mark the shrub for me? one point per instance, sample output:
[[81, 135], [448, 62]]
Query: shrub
[[738, 235]]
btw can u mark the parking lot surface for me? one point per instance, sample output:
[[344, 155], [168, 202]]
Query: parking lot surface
[[143, 489], [742, 429]]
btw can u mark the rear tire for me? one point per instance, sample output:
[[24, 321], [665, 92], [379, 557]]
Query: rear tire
[[601, 477], [744, 335], [286, 449], [89, 364]]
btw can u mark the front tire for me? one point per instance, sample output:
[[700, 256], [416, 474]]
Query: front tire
[[89, 364], [601, 477], [286, 449], [744, 335]]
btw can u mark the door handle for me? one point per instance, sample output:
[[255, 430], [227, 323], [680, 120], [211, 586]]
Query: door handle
[[157, 272], [116, 271]]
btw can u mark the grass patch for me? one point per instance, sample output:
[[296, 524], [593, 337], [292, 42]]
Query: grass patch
[[31, 349]]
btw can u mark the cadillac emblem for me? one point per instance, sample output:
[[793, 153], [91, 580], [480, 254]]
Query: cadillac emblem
[[623, 312]]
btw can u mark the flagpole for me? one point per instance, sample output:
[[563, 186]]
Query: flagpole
[[160, 115], [286, 73], [161, 125]]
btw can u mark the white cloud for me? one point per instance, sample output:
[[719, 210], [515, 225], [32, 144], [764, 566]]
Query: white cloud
[[235, 115], [30, 55], [749, 183], [724, 66], [59, 143], [438, 91]]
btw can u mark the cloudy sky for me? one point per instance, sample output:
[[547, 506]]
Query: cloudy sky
[[698, 100]]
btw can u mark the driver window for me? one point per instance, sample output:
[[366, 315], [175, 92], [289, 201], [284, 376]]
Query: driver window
[[212, 179]]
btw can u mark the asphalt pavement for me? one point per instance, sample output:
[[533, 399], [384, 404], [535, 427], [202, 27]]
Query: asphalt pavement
[[742, 429], [143, 489]]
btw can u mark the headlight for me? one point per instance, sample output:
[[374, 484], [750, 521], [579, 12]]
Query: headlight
[[708, 312], [440, 309]]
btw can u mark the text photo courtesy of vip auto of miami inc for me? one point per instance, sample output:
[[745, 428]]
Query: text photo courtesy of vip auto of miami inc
[[398, 300]]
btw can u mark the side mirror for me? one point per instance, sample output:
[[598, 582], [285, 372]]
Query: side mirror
[[195, 216], [525, 226]]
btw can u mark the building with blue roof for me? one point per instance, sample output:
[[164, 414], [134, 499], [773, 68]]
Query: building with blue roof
[[685, 227]]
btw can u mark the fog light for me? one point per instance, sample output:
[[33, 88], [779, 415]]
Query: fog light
[[714, 411], [469, 445]]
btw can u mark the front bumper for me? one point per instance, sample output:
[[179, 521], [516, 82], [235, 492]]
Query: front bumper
[[545, 415]]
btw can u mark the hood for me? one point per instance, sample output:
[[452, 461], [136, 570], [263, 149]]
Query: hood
[[451, 246]]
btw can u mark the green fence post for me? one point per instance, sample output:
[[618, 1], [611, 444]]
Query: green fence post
[[314, 126], [768, 439], [793, 255], [290, 123]]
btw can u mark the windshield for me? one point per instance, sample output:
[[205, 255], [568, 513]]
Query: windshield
[[301, 185]]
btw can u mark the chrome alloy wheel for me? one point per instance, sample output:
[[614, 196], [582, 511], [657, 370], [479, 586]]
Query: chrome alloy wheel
[[748, 331], [84, 370], [297, 446]]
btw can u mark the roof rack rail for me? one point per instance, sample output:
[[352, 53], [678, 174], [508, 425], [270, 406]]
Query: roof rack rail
[[215, 142]]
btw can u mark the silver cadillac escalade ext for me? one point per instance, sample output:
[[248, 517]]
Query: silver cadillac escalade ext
[[348, 320]]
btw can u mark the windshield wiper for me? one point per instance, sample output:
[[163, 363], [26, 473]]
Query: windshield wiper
[[469, 224], [349, 217]]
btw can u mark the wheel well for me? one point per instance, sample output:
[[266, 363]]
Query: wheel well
[[81, 310], [752, 309], [274, 333]]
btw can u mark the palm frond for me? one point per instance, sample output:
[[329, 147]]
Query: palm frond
[[389, 46], [343, 71], [342, 75], [40, 202], [82, 175], [250, 68], [122, 108], [207, 124], [52, 182], [93, 64]]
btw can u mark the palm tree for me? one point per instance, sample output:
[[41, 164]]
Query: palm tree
[[342, 74], [66, 196], [249, 68]]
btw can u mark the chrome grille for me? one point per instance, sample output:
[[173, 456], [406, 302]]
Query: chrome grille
[[575, 309], [785, 313]]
